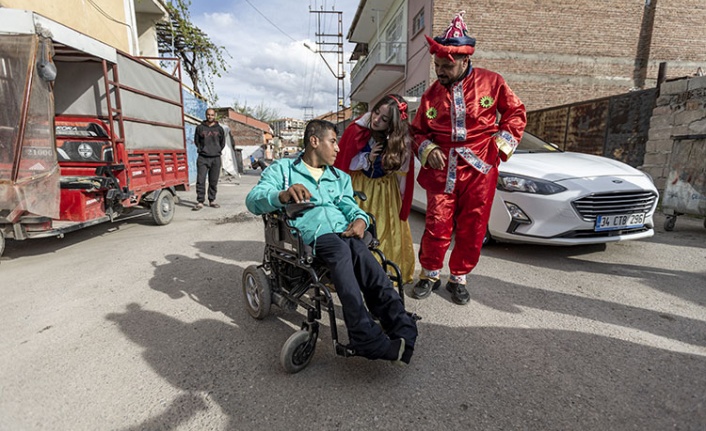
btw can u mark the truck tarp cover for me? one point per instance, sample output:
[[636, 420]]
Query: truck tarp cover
[[152, 121], [29, 173]]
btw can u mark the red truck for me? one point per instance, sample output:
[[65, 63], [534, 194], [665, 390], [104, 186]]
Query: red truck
[[87, 132]]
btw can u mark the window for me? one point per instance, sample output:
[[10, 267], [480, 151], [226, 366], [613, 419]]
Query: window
[[417, 90], [393, 38], [418, 22]]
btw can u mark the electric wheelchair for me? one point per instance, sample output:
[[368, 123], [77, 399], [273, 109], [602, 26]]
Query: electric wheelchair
[[291, 276]]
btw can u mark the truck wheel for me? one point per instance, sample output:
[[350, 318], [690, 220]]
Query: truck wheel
[[163, 208]]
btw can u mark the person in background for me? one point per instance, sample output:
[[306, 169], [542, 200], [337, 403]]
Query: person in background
[[334, 228], [210, 139], [468, 121], [376, 152]]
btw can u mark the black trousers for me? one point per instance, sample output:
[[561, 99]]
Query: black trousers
[[354, 270], [211, 167]]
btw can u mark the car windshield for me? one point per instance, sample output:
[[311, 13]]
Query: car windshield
[[533, 144]]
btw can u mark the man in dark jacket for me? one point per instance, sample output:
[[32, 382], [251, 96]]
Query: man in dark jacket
[[210, 139]]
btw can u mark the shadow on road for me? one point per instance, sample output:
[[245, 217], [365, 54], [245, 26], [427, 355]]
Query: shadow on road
[[39, 246], [682, 284], [512, 298], [460, 378]]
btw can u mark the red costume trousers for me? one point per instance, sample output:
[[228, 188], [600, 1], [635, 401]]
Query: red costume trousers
[[465, 213]]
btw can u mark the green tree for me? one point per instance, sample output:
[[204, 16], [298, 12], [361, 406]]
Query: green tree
[[201, 59]]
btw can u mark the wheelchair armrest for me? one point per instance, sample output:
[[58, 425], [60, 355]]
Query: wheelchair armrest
[[360, 195], [294, 210], [369, 240]]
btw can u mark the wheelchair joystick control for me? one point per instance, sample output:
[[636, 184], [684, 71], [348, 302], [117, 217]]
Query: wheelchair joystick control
[[294, 210]]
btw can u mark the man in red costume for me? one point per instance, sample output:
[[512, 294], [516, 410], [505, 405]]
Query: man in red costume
[[468, 121]]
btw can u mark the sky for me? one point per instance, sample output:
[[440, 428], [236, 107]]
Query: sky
[[268, 62]]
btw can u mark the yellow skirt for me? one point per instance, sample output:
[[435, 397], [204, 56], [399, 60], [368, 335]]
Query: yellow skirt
[[384, 202]]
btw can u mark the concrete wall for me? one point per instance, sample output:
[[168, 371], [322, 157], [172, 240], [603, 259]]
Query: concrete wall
[[84, 17], [678, 122], [554, 52]]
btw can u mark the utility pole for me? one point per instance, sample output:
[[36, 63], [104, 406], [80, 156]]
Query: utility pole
[[332, 43]]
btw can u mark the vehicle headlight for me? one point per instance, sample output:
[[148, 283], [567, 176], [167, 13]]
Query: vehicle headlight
[[518, 183]]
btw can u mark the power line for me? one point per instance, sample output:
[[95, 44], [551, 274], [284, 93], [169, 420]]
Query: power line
[[268, 20]]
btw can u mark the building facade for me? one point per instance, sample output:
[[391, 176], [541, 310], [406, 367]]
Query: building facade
[[549, 52], [379, 30], [245, 131], [127, 25], [289, 129]]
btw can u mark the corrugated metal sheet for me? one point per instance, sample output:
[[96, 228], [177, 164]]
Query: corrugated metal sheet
[[628, 126], [614, 127]]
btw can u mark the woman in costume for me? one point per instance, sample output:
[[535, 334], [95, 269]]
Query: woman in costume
[[376, 151]]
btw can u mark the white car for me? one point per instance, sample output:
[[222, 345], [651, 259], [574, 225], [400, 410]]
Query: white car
[[548, 196]]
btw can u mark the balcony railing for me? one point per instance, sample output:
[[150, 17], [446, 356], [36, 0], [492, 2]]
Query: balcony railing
[[390, 53]]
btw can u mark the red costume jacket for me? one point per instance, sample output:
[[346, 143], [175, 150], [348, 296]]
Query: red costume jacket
[[462, 120]]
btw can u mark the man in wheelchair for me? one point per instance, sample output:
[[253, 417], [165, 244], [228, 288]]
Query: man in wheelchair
[[334, 227]]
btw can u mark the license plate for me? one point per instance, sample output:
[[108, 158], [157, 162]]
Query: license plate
[[622, 221]]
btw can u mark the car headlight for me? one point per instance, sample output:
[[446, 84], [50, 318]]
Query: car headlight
[[518, 183]]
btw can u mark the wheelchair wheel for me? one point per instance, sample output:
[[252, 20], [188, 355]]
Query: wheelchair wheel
[[298, 351], [256, 291]]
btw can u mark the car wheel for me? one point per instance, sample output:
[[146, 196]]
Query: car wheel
[[2, 242], [298, 351], [669, 223], [257, 292], [162, 209]]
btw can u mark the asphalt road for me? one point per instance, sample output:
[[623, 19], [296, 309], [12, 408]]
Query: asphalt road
[[132, 326]]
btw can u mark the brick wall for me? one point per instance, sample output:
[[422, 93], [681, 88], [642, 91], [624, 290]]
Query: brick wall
[[554, 52], [244, 135]]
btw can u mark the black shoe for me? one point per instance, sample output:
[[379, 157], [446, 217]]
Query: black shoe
[[459, 294], [406, 356], [395, 350], [424, 287]]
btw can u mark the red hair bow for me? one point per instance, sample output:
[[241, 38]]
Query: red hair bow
[[401, 106]]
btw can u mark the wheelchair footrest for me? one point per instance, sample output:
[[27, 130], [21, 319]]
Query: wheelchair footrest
[[343, 350]]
